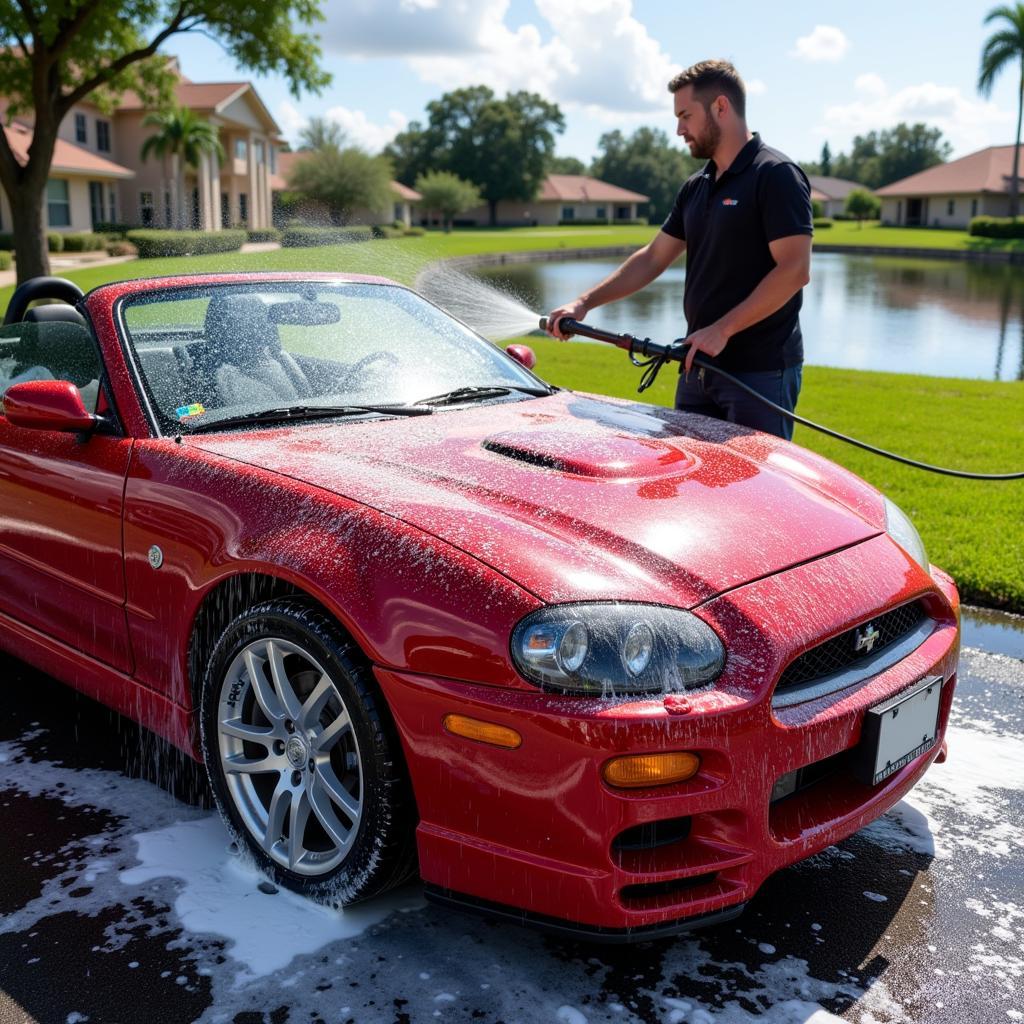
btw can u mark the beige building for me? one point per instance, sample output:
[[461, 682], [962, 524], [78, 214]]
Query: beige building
[[563, 199], [949, 195], [831, 193], [98, 173]]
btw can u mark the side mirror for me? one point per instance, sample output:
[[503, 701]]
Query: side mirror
[[47, 405], [523, 354]]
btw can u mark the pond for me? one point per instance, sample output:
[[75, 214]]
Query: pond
[[936, 317]]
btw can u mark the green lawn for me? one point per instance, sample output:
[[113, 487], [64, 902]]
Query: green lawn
[[973, 529], [846, 232]]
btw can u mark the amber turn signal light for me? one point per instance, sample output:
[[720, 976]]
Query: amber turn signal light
[[638, 770], [482, 732]]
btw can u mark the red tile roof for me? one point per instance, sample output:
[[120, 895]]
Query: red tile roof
[[831, 188], [578, 188], [988, 170], [67, 157]]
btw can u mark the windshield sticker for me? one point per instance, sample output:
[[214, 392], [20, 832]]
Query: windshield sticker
[[183, 412]]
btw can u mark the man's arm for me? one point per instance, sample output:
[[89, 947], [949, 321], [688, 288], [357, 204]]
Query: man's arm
[[635, 273], [792, 270]]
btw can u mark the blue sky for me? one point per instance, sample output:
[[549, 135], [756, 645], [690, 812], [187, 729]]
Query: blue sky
[[814, 71]]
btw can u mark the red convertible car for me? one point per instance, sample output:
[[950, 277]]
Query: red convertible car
[[581, 661]]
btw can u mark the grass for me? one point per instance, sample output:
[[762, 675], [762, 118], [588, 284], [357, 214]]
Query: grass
[[975, 530], [972, 529], [845, 232]]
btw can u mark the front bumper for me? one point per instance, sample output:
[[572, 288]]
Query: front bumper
[[537, 833]]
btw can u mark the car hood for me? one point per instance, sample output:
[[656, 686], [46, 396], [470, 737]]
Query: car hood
[[581, 498]]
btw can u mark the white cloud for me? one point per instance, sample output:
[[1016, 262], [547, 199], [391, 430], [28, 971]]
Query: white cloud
[[968, 124], [826, 42], [358, 128], [755, 87], [586, 54]]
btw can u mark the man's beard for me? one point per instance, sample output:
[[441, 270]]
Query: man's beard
[[703, 148]]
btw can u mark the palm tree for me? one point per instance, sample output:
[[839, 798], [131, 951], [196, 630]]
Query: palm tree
[[184, 137], [1002, 49]]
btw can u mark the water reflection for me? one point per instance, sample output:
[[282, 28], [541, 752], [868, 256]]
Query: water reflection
[[937, 317]]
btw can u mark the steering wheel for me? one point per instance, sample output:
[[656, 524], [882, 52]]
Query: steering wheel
[[358, 368], [40, 288]]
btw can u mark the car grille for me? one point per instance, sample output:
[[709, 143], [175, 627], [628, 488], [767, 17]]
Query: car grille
[[840, 652]]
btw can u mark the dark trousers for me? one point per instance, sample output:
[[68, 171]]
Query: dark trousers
[[711, 395]]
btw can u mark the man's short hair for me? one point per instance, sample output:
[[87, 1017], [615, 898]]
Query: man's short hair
[[710, 79]]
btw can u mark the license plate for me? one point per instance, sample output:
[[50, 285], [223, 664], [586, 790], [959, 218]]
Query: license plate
[[898, 730]]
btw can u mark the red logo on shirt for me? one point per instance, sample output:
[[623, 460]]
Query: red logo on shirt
[[730, 202]]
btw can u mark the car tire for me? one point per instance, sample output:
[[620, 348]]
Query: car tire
[[303, 757]]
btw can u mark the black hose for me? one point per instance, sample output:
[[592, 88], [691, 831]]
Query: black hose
[[676, 351]]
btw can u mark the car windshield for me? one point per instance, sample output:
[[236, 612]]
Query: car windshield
[[225, 352]]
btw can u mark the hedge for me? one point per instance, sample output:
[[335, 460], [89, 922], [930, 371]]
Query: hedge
[[598, 222], [114, 228], [822, 222], [154, 243], [5, 260], [84, 241], [996, 227], [301, 238], [54, 241], [263, 235]]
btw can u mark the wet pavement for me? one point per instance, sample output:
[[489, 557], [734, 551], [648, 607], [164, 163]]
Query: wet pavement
[[120, 902]]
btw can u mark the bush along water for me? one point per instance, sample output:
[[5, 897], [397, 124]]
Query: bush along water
[[996, 227]]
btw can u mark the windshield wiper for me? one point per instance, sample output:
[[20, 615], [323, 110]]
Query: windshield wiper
[[473, 392], [309, 412]]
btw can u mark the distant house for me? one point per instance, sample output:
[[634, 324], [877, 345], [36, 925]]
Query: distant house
[[401, 208], [831, 192], [564, 199], [949, 195], [98, 173]]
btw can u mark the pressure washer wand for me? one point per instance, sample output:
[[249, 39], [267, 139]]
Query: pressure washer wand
[[658, 354]]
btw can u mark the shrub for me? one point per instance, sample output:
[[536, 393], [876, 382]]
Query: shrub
[[121, 247], [817, 211], [302, 238], [387, 231], [996, 227], [5, 260], [113, 228], [822, 222], [413, 231], [154, 243], [84, 241], [55, 241], [263, 235]]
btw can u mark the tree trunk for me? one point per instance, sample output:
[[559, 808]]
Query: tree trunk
[[30, 251], [493, 204]]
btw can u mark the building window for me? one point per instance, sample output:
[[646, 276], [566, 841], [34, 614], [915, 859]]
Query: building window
[[96, 211], [225, 210], [81, 129], [241, 149], [974, 207], [260, 152], [112, 204], [399, 211], [568, 213], [103, 136], [623, 213], [58, 206], [167, 207], [950, 208], [602, 213], [243, 207], [146, 208]]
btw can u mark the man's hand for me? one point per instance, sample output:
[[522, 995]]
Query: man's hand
[[709, 340], [575, 310]]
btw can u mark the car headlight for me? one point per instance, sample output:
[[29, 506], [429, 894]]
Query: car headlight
[[903, 531], [613, 649]]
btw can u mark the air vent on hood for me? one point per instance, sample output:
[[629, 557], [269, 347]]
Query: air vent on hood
[[605, 456]]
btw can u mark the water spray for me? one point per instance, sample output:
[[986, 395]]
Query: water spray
[[654, 355]]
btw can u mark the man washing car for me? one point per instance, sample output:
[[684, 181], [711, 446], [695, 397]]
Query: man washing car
[[745, 224]]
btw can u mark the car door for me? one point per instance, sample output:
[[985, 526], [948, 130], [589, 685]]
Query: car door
[[61, 499]]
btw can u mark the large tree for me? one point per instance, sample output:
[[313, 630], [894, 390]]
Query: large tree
[[880, 158], [182, 137], [343, 180], [57, 53], [503, 146], [446, 193], [1005, 49], [645, 162]]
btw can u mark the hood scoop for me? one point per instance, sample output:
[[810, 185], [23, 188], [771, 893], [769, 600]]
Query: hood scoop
[[602, 456]]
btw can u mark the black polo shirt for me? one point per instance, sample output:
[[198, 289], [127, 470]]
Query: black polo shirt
[[727, 222]]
